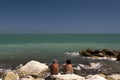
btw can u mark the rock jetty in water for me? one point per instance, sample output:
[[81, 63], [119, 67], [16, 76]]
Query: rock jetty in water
[[104, 53]]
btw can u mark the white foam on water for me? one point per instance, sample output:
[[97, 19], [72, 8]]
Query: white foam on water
[[74, 54], [102, 58], [91, 66], [95, 77]]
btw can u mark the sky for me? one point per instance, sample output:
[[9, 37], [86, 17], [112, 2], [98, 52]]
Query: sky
[[59, 16]]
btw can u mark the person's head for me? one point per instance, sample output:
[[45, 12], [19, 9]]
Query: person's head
[[68, 61], [55, 61]]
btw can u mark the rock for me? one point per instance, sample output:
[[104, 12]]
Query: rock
[[95, 77], [93, 64], [90, 50], [68, 77], [97, 51], [118, 57], [113, 77], [100, 55], [87, 54], [102, 75], [9, 76], [84, 53], [33, 68], [94, 57], [31, 78], [117, 52], [109, 52]]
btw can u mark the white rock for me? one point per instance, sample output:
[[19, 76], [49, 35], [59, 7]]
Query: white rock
[[95, 77], [9, 76], [114, 76], [33, 67], [68, 77]]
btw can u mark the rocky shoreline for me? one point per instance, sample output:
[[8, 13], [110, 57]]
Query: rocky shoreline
[[34, 70]]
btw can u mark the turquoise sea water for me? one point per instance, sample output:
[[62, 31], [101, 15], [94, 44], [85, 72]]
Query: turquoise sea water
[[20, 48]]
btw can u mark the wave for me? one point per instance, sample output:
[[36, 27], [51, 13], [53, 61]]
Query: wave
[[50, 48], [90, 66], [69, 45], [102, 58], [74, 54]]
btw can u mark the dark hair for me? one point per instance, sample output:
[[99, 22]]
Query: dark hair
[[68, 61]]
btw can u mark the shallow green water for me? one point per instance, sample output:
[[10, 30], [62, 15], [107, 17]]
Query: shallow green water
[[20, 48]]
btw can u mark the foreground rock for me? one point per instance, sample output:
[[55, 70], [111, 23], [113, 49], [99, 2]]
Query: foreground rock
[[95, 77], [76, 77], [33, 68], [10, 76], [113, 77], [13, 76], [31, 78], [68, 77]]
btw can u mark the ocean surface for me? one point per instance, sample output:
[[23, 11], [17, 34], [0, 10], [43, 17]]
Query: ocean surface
[[18, 49]]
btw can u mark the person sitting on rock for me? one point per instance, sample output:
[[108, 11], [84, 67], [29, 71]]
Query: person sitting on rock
[[68, 68], [54, 67]]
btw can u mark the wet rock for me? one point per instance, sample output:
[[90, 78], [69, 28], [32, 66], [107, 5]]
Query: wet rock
[[97, 51], [84, 53], [100, 55], [118, 57], [116, 52], [90, 50], [109, 52], [87, 54]]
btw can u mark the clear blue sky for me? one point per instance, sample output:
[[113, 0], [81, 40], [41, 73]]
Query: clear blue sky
[[59, 16]]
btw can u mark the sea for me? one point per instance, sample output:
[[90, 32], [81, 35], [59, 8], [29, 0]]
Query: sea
[[16, 49]]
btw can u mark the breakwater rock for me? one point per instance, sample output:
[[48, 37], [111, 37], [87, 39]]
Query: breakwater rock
[[106, 53]]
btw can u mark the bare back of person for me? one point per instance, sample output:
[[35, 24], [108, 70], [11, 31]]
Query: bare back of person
[[68, 69], [54, 68]]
